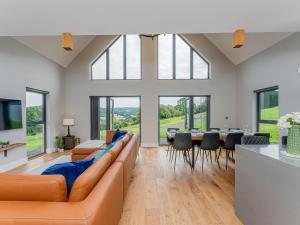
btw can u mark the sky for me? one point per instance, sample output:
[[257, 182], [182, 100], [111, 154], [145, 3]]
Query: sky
[[33, 99]]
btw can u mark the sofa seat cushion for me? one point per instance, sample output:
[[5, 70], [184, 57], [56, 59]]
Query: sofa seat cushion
[[85, 183], [70, 170], [50, 188]]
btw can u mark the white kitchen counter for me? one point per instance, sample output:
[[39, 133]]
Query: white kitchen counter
[[267, 186]]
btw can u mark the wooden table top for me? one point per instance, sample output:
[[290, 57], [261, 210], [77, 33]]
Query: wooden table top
[[12, 146], [196, 136]]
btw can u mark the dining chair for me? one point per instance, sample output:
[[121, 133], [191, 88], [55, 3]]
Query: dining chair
[[267, 135], [284, 140], [196, 143], [182, 144], [210, 143], [233, 129], [232, 139], [170, 141], [214, 129], [254, 140]]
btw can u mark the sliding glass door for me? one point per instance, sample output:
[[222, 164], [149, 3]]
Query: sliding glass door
[[36, 122], [184, 113], [115, 113], [268, 112]]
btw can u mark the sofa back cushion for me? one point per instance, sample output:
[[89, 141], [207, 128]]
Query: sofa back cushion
[[115, 150], [50, 188], [126, 139], [70, 170], [85, 183], [109, 136]]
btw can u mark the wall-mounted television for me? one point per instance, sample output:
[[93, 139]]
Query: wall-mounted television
[[10, 114]]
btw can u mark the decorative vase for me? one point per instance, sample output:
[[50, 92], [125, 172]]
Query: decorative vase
[[293, 143]]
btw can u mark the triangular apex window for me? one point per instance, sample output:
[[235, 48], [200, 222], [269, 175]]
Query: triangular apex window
[[120, 61], [178, 60]]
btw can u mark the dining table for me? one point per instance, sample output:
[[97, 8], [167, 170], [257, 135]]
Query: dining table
[[198, 136]]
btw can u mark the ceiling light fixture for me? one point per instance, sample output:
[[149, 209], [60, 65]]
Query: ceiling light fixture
[[239, 38], [67, 41], [152, 36]]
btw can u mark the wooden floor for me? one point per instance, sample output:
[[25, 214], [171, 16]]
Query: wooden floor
[[158, 195]]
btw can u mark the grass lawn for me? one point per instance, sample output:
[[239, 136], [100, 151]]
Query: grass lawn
[[134, 128], [34, 142], [270, 114]]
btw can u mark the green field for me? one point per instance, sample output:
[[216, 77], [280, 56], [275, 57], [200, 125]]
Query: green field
[[34, 142], [270, 114]]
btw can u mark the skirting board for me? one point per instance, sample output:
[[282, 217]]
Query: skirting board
[[12, 165], [149, 145]]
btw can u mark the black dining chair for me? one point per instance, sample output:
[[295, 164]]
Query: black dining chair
[[232, 139], [267, 135], [284, 140], [233, 129], [196, 143], [170, 141], [182, 144], [210, 143], [254, 140], [214, 129]]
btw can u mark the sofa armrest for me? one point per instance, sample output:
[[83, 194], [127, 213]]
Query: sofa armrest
[[50, 188]]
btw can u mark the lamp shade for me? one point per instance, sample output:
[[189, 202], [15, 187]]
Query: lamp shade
[[68, 122]]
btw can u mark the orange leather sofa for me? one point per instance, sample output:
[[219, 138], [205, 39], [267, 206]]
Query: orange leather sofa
[[81, 153], [96, 197]]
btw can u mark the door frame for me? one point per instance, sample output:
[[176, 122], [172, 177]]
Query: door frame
[[191, 106], [44, 121], [108, 122]]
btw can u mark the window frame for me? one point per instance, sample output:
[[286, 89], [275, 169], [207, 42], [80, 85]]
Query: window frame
[[44, 119], [258, 119], [95, 114], [192, 50], [191, 113], [124, 60]]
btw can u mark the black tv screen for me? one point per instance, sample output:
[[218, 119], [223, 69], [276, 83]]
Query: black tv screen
[[10, 114]]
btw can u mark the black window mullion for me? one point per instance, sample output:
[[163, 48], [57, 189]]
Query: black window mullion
[[174, 56], [107, 113], [107, 64], [191, 64], [124, 57], [191, 112]]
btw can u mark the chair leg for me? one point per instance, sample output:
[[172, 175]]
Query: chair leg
[[210, 156], [227, 156], [232, 156], [206, 155], [199, 150], [202, 159], [175, 159], [172, 155], [217, 159], [220, 151]]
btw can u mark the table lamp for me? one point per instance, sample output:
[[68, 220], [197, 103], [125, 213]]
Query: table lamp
[[68, 123]]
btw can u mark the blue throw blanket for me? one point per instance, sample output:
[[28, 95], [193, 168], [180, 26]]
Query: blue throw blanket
[[70, 170]]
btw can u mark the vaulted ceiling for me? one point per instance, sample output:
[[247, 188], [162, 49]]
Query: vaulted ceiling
[[100, 17], [50, 46]]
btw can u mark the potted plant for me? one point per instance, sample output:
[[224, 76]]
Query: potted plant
[[59, 144], [291, 122]]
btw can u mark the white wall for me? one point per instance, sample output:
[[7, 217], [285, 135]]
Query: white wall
[[21, 67], [222, 87], [274, 66]]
